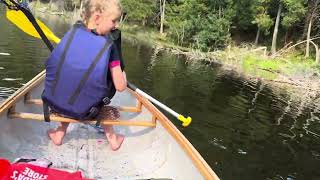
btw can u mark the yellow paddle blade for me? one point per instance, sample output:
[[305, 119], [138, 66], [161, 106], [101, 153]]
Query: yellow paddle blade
[[23, 23]]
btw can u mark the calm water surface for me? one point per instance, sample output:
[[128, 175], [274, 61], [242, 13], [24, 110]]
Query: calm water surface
[[242, 129]]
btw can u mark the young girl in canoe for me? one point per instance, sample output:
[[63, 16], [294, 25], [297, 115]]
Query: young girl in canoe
[[83, 69]]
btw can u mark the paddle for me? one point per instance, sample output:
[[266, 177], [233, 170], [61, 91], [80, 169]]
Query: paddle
[[185, 121], [25, 21]]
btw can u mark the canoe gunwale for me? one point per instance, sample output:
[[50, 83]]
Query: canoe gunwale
[[187, 147], [15, 97]]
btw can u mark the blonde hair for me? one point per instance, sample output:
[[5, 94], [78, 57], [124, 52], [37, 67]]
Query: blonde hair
[[91, 6]]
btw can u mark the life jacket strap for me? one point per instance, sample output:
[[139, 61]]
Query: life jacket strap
[[42, 162], [46, 113], [62, 59], [93, 113], [23, 160]]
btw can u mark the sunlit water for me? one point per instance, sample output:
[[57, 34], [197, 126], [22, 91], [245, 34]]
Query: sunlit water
[[242, 129]]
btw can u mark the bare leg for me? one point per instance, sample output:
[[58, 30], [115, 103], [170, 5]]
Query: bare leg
[[114, 139], [56, 135]]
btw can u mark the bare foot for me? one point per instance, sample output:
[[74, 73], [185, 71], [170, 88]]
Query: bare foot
[[56, 136], [116, 142]]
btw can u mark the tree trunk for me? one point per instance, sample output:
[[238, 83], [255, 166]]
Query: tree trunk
[[308, 38], [317, 58], [275, 31], [77, 12], [50, 4], [81, 5], [313, 14], [286, 37], [162, 9], [312, 7], [257, 37]]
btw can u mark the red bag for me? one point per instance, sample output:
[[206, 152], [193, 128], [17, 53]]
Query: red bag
[[24, 171]]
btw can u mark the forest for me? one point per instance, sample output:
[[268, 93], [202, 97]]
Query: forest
[[213, 24]]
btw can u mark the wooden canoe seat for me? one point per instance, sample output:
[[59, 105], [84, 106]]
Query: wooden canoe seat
[[126, 109], [39, 117], [33, 116]]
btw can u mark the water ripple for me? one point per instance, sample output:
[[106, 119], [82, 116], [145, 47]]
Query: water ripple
[[218, 143]]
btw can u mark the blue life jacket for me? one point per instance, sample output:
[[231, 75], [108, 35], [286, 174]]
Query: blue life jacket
[[76, 73]]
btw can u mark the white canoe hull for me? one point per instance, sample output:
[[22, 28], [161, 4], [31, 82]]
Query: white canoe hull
[[147, 152]]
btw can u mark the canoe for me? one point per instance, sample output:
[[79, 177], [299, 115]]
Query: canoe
[[153, 147]]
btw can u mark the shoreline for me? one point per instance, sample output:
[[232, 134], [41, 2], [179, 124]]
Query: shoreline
[[249, 62], [241, 60]]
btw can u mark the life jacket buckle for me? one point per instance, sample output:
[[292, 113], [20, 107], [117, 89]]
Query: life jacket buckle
[[94, 111], [106, 101]]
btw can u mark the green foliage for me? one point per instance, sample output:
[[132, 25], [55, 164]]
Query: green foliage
[[294, 64], [297, 64], [265, 68], [261, 17], [295, 11], [243, 14], [213, 33], [199, 23], [69, 5], [139, 10], [264, 22]]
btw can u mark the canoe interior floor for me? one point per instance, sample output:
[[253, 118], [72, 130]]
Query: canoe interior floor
[[84, 148]]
